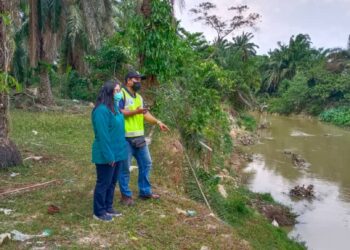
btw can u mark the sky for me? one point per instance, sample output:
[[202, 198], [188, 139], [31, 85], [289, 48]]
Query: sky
[[326, 21]]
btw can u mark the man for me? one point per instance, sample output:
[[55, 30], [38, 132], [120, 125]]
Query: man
[[135, 113]]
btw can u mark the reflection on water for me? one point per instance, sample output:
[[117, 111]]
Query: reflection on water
[[324, 223]]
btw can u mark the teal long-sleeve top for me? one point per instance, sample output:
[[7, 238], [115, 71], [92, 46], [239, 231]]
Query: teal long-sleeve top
[[109, 144]]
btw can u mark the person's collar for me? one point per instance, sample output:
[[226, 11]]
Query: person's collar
[[129, 92]]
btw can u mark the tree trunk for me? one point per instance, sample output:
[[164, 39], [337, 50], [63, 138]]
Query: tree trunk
[[42, 49], [4, 119], [45, 93], [9, 154], [146, 8], [146, 11], [34, 33]]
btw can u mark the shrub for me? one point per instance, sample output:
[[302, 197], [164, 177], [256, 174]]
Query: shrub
[[339, 116]]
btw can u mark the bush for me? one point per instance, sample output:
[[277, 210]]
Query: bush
[[339, 116], [247, 121], [293, 100]]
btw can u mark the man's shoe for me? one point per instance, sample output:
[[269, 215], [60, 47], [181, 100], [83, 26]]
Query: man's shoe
[[105, 217], [150, 196], [114, 213], [127, 201]]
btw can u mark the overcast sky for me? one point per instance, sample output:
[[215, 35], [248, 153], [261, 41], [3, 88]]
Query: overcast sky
[[326, 21]]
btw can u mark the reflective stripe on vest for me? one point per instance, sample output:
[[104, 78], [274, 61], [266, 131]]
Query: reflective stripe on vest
[[133, 124]]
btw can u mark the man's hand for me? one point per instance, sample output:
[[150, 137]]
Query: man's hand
[[162, 126]]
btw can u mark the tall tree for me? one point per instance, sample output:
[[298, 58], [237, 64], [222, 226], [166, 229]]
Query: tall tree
[[152, 32], [44, 23], [88, 24], [224, 28], [242, 44], [9, 154], [286, 59]]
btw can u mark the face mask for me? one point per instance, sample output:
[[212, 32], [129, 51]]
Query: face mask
[[137, 86], [118, 96]]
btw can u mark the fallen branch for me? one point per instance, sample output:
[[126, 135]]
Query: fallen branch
[[28, 188]]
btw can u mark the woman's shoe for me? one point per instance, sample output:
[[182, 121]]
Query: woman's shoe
[[114, 213], [105, 217]]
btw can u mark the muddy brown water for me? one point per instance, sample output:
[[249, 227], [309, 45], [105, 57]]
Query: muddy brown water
[[324, 222]]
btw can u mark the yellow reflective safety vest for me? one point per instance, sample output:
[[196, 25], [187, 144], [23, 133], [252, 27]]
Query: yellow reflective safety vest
[[134, 125]]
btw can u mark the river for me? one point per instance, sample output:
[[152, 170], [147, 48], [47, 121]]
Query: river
[[324, 222]]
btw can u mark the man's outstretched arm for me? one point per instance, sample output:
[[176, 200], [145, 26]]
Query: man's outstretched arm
[[152, 120]]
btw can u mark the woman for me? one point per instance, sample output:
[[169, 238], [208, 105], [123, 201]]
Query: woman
[[109, 149]]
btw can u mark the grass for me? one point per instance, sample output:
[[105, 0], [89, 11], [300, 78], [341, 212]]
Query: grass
[[64, 140]]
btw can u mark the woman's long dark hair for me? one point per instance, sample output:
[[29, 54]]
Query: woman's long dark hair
[[106, 95]]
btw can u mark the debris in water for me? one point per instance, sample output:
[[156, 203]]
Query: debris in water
[[264, 125], [287, 152], [299, 161], [275, 212], [302, 191]]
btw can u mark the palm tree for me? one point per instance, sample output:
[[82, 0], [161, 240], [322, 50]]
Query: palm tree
[[9, 154], [242, 44], [285, 61], [89, 22], [44, 23]]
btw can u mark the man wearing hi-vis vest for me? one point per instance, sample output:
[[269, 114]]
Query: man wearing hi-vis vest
[[135, 113]]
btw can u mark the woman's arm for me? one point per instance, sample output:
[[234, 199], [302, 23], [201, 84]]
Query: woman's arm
[[100, 120]]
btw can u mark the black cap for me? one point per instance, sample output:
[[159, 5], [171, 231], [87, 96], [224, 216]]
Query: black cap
[[134, 74]]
